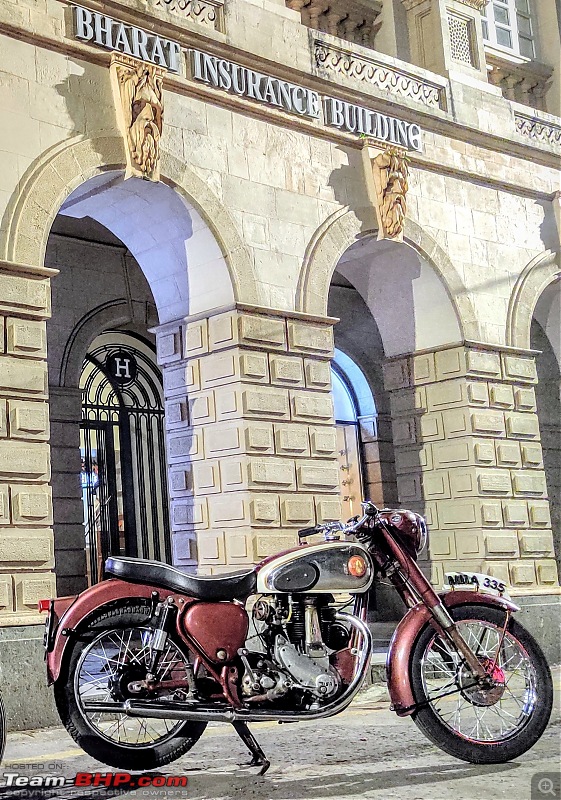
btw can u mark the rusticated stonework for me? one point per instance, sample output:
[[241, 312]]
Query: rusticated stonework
[[26, 516], [468, 455], [252, 447], [403, 84]]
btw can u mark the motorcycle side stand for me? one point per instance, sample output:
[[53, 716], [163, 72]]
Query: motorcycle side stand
[[259, 758]]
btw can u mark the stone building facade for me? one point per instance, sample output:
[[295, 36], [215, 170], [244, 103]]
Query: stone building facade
[[254, 264]]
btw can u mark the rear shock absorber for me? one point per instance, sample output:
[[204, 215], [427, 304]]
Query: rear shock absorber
[[164, 624]]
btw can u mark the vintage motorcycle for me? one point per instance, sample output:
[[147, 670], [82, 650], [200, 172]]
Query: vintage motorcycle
[[141, 662]]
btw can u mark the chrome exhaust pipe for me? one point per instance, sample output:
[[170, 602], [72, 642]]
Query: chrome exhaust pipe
[[186, 711]]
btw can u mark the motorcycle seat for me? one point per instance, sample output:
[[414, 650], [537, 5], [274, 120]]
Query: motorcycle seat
[[228, 586]]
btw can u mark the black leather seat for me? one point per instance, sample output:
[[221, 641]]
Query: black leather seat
[[230, 586]]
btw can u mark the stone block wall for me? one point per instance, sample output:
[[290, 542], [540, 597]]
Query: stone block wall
[[468, 456], [251, 437], [26, 538]]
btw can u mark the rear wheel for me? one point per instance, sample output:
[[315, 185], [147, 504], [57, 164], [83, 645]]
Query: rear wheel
[[482, 725], [102, 665]]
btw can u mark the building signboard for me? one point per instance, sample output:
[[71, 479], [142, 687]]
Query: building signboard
[[219, 73]]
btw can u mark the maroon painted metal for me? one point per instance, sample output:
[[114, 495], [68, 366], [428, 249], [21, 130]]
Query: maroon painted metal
[[85, 604], [405, 636], [216, 627]]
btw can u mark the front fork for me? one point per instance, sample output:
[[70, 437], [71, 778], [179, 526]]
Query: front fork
[[413, 587]]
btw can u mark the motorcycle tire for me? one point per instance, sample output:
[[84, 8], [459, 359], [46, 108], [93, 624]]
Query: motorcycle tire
[[133, 614], [473, 730]]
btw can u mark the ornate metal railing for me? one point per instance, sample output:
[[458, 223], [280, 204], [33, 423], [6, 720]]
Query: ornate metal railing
[[353, 20]]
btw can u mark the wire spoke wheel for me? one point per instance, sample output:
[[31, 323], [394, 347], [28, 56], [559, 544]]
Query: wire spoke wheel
[[481, 715], [107, 671], [483, 723]]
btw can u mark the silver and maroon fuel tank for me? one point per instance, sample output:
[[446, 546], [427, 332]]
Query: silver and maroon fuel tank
[[325, 567]]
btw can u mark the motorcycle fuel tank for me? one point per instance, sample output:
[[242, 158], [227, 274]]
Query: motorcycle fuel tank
[[327, 567]]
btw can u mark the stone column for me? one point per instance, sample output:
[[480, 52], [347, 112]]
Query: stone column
[[468, 455], [26, 537], [251, 439], [65, 405]]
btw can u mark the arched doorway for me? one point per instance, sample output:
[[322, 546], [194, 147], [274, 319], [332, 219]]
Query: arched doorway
[[131, 256], [122, 448]]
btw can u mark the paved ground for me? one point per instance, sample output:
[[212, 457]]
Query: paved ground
[[364, 753]]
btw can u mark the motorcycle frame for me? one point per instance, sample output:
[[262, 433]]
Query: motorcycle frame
[[425, 607]]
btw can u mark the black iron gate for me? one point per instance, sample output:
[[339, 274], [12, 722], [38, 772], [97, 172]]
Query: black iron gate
[[124, 474]]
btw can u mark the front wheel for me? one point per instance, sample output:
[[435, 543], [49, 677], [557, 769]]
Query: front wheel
[[488, 725]]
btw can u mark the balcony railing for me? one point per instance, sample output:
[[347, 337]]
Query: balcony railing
[[206, 12], [353, 20]]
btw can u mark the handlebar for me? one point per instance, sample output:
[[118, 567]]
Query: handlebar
[[352, 526]]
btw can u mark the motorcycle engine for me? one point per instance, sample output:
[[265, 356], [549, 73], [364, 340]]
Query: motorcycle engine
[[298, 658], [308, 673]]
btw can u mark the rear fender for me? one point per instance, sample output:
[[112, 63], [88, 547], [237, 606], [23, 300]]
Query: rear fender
[[74, 616], [405, 636]]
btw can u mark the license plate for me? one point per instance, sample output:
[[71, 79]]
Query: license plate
[[477, 581]]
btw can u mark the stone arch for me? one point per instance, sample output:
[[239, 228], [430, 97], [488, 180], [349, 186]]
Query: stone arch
[[109, 315], [343, 229], [532, 282], [65, 167]]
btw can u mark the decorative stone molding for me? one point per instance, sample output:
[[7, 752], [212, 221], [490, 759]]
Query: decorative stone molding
[[462, 39], [353, 20], [205, 12], [360, 68], [341, 230], [64, 168], [479, 5], [139, 101], [538, 130], [525, 83], [386, 176], [533, 280]]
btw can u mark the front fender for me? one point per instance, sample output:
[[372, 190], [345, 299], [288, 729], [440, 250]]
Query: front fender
[[83, 607], [405, 636]]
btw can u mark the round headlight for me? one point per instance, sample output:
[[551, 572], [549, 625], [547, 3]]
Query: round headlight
[[423, 535]]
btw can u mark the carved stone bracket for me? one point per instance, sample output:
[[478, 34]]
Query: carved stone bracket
[[524, 83], [538, 130], [380, 75], [139, 102], [205, 12], [386, 172], [354, 20], [479, 5]]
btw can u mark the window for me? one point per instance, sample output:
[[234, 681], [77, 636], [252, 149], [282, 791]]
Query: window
[[507, 25]]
